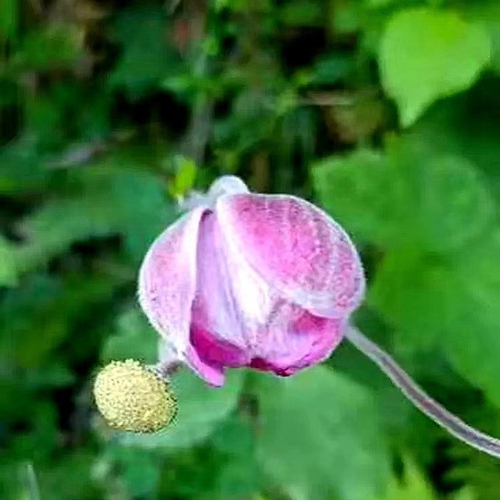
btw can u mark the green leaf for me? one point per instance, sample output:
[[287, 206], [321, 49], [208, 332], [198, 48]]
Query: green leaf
[[69, 477], [345, 17], [465, 494], [239, 477], [486, 12], [103, 208], [147, 58], [8, 18], [455, 205], [465, 126], [201, 410], [441, 198], [319, 436], [143, 220], [472, 341], [414, 485], [140, 471], [59, 224], [134, 339], [428, 54], [37, 316], [20, 168], [350, 189], [54, 47], [450, 302], [54, 374], [301, 13], [414, 293], [8, 269], [330, 69]]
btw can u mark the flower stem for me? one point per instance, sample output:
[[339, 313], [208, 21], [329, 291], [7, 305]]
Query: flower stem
[[447, 420]]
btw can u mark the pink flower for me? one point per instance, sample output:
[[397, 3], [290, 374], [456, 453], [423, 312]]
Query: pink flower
[[244, 279]]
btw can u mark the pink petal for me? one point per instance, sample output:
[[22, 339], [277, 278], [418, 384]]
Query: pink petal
[[167, 281], [296, 248], [239, 320], [210, 371], [295, 339], [209, 356], [218, 329]]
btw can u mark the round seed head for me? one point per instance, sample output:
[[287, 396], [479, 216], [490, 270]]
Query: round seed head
[[132, 398]]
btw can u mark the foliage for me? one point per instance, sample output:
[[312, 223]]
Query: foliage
[[384, 112]]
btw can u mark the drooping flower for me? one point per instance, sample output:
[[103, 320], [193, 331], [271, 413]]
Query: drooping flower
[[242, 279], [245, 279]]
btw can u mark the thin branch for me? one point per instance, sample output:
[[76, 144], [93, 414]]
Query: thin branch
[[447, 420]]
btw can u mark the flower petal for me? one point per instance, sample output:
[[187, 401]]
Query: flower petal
[[167, 281], [295, 339], [296, 248], [217, 325], [209, 356], [226, 185]]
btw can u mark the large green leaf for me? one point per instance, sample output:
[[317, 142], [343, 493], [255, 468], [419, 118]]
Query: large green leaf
[[319, 436], [366, 193], [240, 476], [466, 126], [410, 197], [111, 202], [473, 342], [451, 301], [428, 54], [142, 220], [453, 203], [414, 293], [486, 12], [201, 410]]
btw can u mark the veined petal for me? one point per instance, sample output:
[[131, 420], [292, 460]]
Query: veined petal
[[295, 339], [209, 356], [218, 328], [238, 319], [167, 280], [296, 248]]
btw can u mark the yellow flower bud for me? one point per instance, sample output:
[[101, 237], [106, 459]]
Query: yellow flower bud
[[132, 398]]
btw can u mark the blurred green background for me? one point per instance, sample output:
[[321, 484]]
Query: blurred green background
[[384, 112]]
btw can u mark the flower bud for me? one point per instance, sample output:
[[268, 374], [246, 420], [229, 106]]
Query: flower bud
[[250, 280], [133, 398]]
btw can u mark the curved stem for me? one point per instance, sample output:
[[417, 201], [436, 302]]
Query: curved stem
[[420, 399]]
